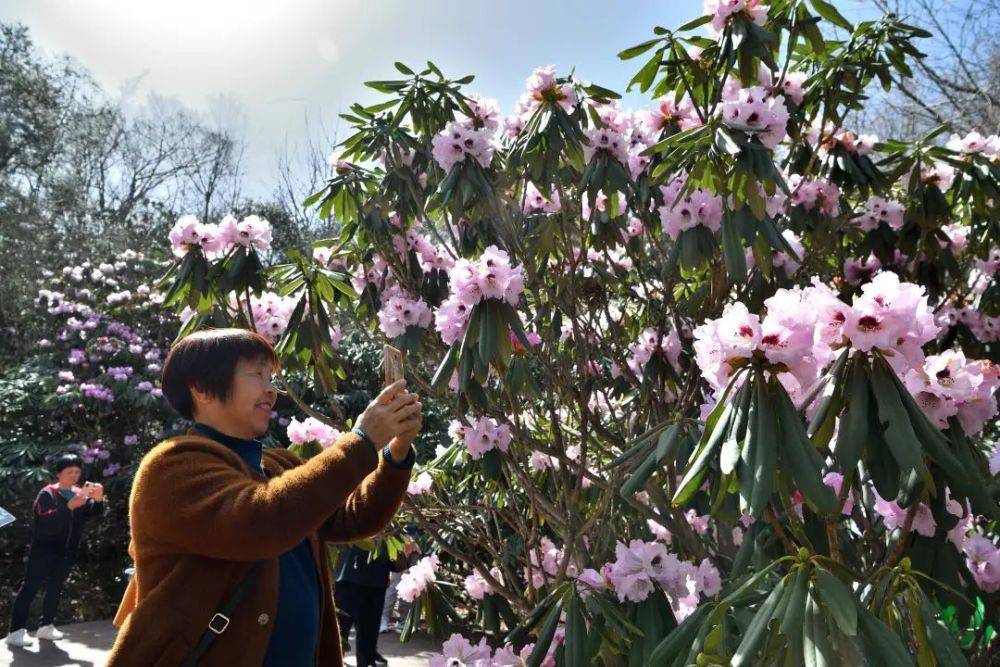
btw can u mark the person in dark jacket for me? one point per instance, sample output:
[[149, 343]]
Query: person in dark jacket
[[60, 510], [362, 579]]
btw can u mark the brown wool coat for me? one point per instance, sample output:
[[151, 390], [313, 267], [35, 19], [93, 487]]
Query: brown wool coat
[[199, 518]]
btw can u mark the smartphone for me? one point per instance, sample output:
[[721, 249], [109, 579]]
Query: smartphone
[[392, 363]]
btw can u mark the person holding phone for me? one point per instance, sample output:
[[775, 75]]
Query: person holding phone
[[228, 537], [60, 512]]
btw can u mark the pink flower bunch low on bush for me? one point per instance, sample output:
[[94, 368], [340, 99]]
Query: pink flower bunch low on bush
[[415, 580], [641, 566]]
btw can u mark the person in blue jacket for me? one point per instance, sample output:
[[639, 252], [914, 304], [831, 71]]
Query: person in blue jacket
[[60, 512]]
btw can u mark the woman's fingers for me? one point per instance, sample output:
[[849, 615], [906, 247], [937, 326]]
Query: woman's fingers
[[402, 400], [389, 393]]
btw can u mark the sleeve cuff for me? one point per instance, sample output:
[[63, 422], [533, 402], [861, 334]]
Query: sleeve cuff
[[358, 431], [405, 464]]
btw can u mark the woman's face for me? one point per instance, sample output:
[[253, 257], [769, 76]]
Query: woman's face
[[68, 476]]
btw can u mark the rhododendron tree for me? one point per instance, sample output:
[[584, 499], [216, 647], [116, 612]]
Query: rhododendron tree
[[717, 362]]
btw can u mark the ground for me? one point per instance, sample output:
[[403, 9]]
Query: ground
[[87, 645]]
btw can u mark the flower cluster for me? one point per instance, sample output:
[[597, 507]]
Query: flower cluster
[[639, 565], [536, 202], [415, 580], [755, 110], [697, 207], [458, 651], [878, 210], [421, 485], [975, 143], [477, 587], [650, 342], [271, 313], [489, 277], [542, 88], [400, 311], [544, 561], [311, 430], [470, 136], [457, 141], [949, 385], [723, 11], [484, 435], [671, 111], [215, 240], [814, 194]]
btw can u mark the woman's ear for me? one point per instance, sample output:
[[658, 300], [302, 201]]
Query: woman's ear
[[200, 399]]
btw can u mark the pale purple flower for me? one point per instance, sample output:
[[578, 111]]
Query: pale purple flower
[[460, 652]]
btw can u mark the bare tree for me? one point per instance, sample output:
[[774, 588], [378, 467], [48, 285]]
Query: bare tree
[[959, 80], [300, 170]]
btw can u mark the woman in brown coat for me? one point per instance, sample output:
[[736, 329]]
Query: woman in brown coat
[[228, 538]]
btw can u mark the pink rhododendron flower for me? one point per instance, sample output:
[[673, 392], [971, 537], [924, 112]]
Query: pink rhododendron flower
[[722, 12], [451, 319], [878, 210], [484, 113], [188, 234], [460, 652], [983, 562], [894, 516], [311, 430], [814, 194], [400, 311], [698, 207], [457, 141], [415, 580], [484, 435], [535, 202], [958, 237], [939, 174], [754, 110], [718, 343], [422, 484], [889, 315], [857, 271], [671, 111], [252, 231], [836, 481]]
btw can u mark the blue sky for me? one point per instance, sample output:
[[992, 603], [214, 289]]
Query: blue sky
[[284, 61]]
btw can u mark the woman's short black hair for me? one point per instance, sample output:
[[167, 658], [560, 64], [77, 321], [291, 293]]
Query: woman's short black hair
[[67, 461], [206, 360]]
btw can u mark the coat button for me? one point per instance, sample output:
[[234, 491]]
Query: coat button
[[263, 619]]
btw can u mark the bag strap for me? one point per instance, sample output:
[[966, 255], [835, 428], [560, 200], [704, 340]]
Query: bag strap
[[220, 621]]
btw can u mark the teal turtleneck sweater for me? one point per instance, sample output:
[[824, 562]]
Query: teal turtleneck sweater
[[296, 626]]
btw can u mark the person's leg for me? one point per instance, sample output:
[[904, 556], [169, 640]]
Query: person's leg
[[346, 599], [40, 562], [390, 600], [54, 586], [367, 620]]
